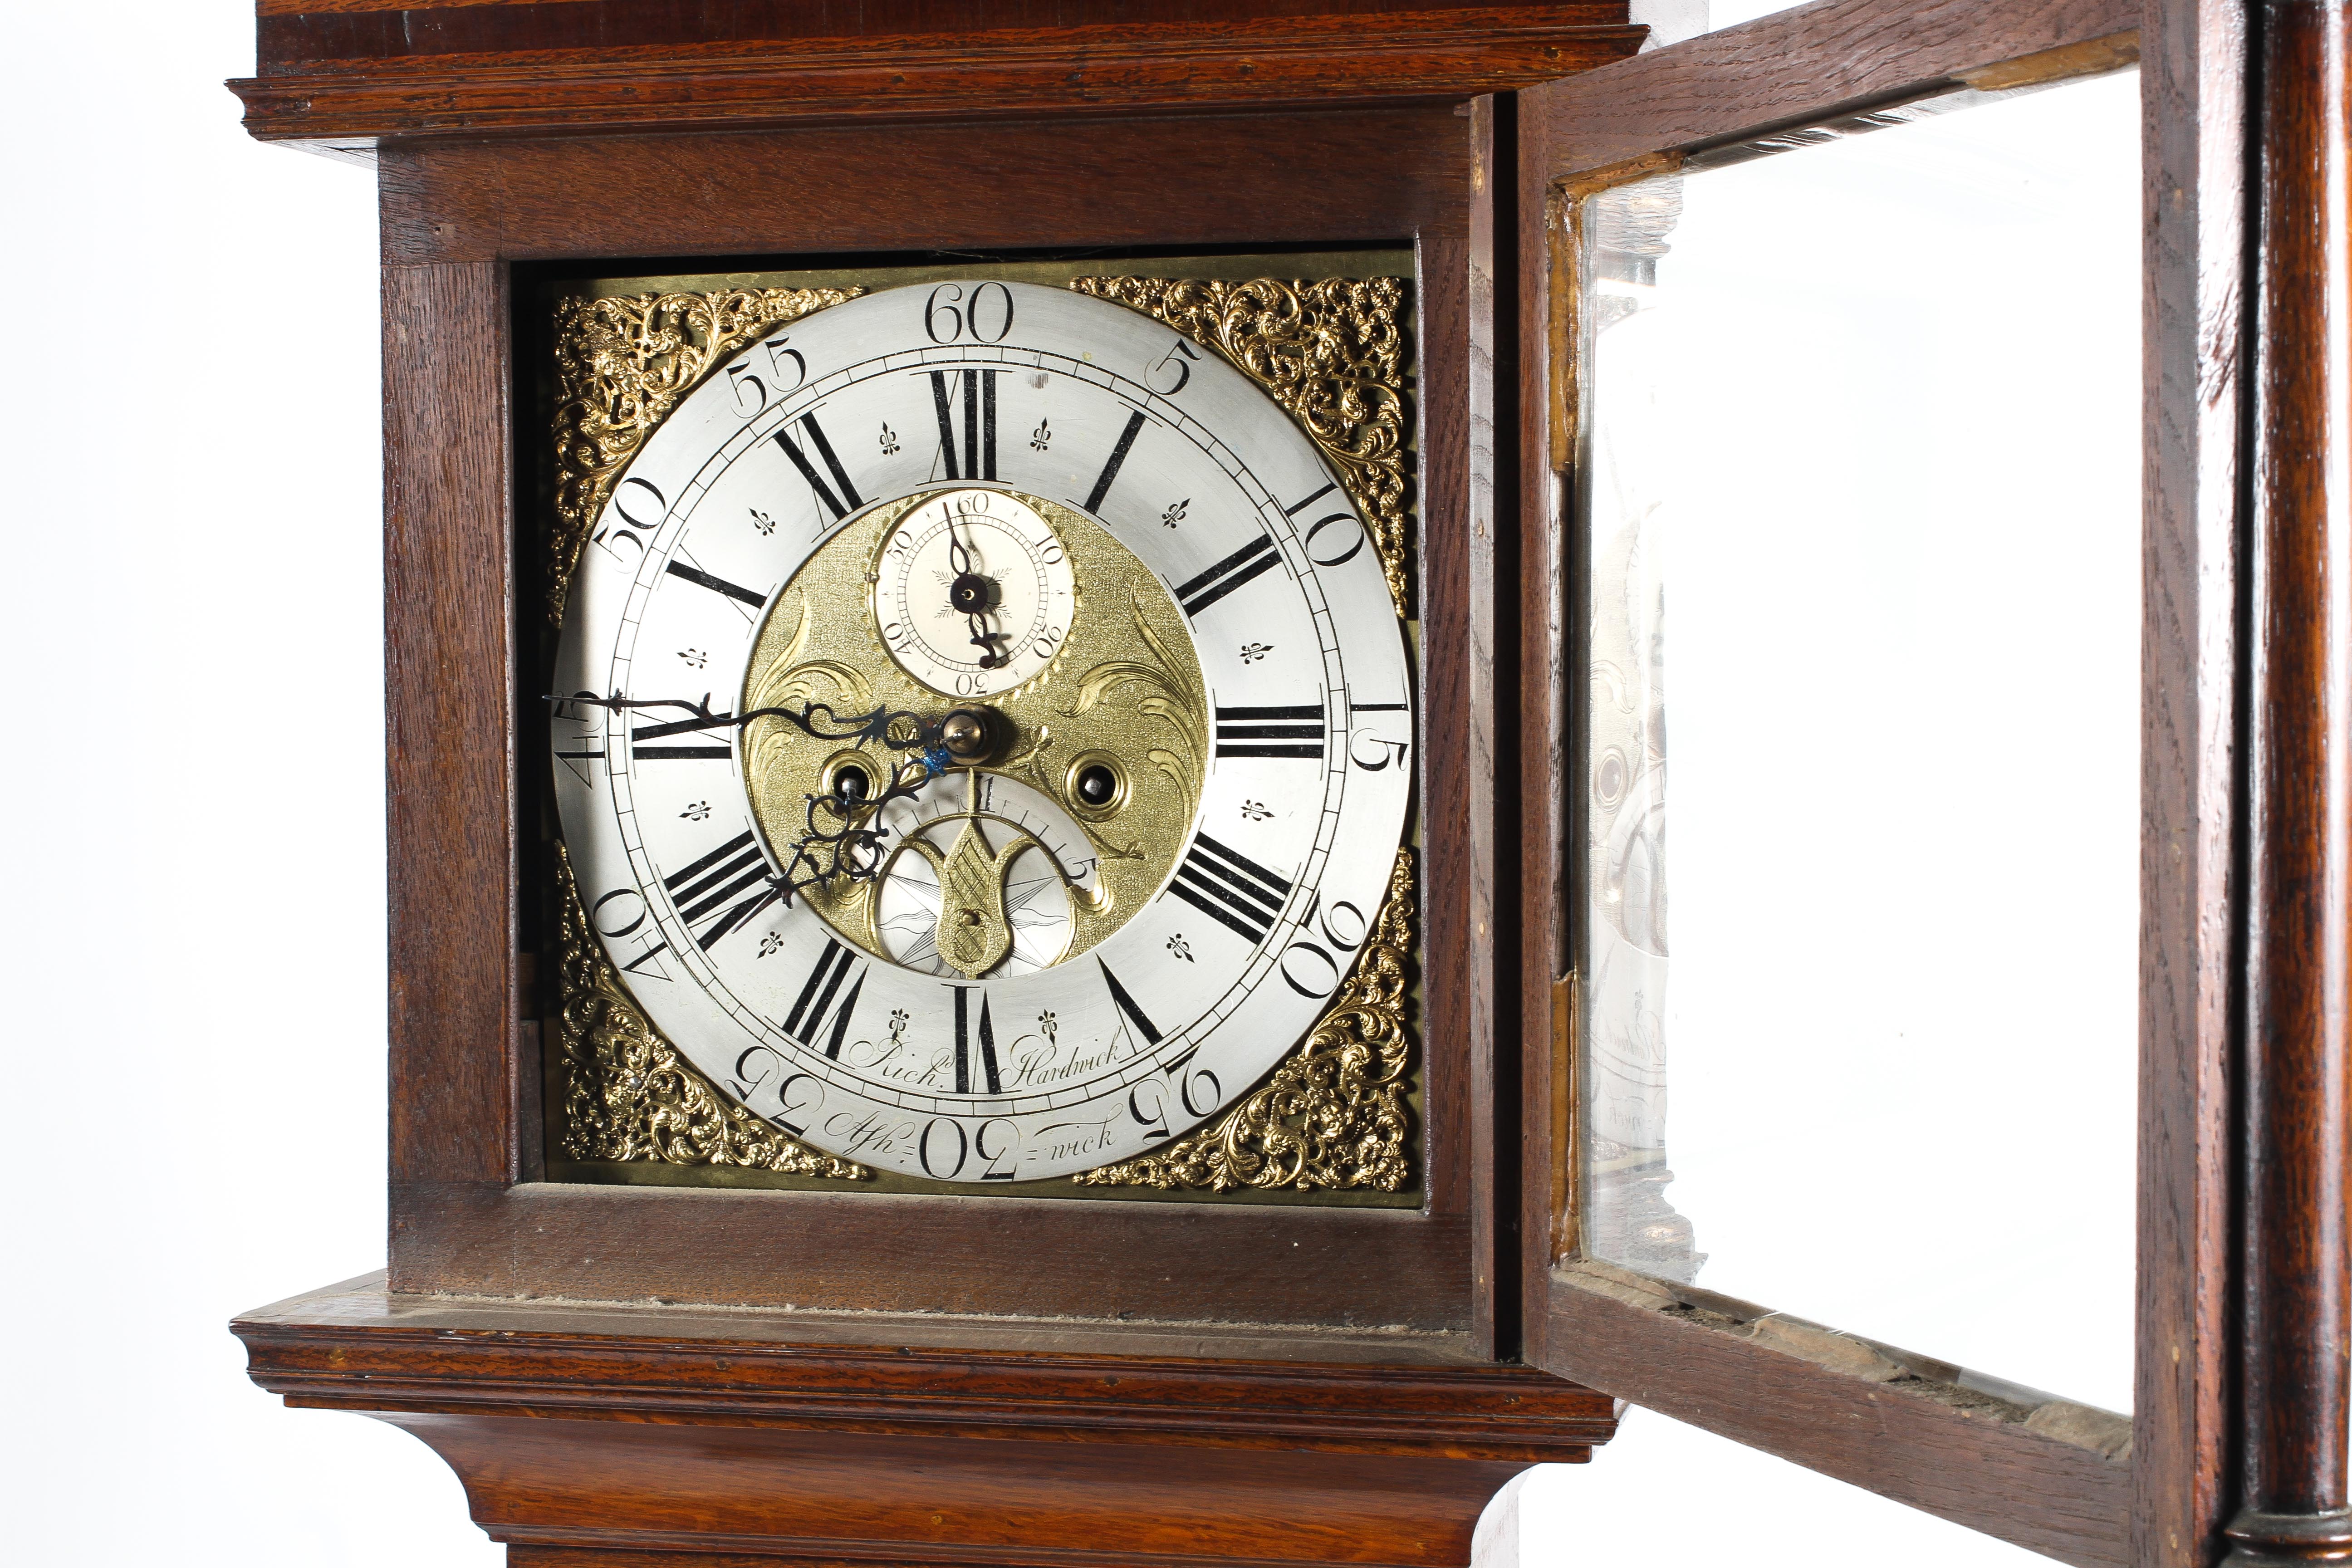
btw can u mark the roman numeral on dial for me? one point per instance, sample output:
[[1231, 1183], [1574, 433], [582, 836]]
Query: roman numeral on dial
[[840, 505], [808, 1014], [1270, 732], [1243, 566], [640, 752], [1117, 460], [966, 1038], [978, 391], [1135, 1017], [701, 579], [701, 890], [1230, 889]]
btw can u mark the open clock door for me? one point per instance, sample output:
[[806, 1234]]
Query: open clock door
[[1887, 412]]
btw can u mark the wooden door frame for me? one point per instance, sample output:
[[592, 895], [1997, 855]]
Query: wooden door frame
[[2240, 1400]]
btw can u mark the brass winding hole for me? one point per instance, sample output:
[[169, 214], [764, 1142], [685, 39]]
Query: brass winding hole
[[1095, 784]]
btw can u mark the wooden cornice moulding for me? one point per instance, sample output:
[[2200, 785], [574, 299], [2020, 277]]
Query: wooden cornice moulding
[[683, 1437], [532, 74]]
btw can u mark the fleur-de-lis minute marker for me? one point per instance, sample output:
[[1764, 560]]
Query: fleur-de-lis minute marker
[[1041, 437], [889, 440]]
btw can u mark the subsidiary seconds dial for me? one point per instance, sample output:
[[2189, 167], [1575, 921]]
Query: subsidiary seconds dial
[[974, 593]]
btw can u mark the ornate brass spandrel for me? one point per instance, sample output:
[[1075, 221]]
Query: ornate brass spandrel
[[627, 1094], [620, 364], [1333, 1114], [1126, 685], [1332, 352]]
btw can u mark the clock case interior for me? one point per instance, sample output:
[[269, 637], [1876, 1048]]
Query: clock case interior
[[704, 1142]]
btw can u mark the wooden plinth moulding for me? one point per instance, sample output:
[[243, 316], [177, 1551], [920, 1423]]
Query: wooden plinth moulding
[[676, 1438]]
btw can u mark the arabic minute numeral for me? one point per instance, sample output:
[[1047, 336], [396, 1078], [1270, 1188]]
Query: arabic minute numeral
[[1367, 750], [753, 390], [777, 354], [1008, 1139], [796, 1103], [1197, 1100], [985, 318], [632, 497], [1317, 974], [1174, 367], [620, 916], [1147, 1103], [1339, 550]]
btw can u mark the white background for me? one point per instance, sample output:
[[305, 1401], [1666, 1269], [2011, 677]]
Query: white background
[[194, 930]]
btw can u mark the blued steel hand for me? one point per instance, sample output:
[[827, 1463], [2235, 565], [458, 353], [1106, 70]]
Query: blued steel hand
[[970, 593], [845, 845]]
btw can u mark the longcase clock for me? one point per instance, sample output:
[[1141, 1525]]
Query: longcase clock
[[990, 614], [951, 620]]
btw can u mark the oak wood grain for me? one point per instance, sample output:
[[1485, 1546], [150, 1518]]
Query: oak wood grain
[[856, 1497], [1810, 65], [2046, 1496], [2192, 79], [353, 78], [1376, 175], [886, 1252], [591, 1435], [1807, 65], [2297, 1071], [358, 1346], [1346, 175], [450, 705]]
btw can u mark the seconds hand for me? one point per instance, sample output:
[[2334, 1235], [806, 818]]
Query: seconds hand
[[970, 593]]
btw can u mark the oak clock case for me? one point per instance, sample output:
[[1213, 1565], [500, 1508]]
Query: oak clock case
[[984, 752]]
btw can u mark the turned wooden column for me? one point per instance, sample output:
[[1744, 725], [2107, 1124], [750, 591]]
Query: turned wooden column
[[2299, 945]]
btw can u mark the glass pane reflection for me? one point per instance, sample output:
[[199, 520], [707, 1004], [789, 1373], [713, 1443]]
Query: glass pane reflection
[[1671, 21], [1863, 491]]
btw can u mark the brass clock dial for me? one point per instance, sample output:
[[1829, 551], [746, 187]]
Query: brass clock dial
[[1067, 633]]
